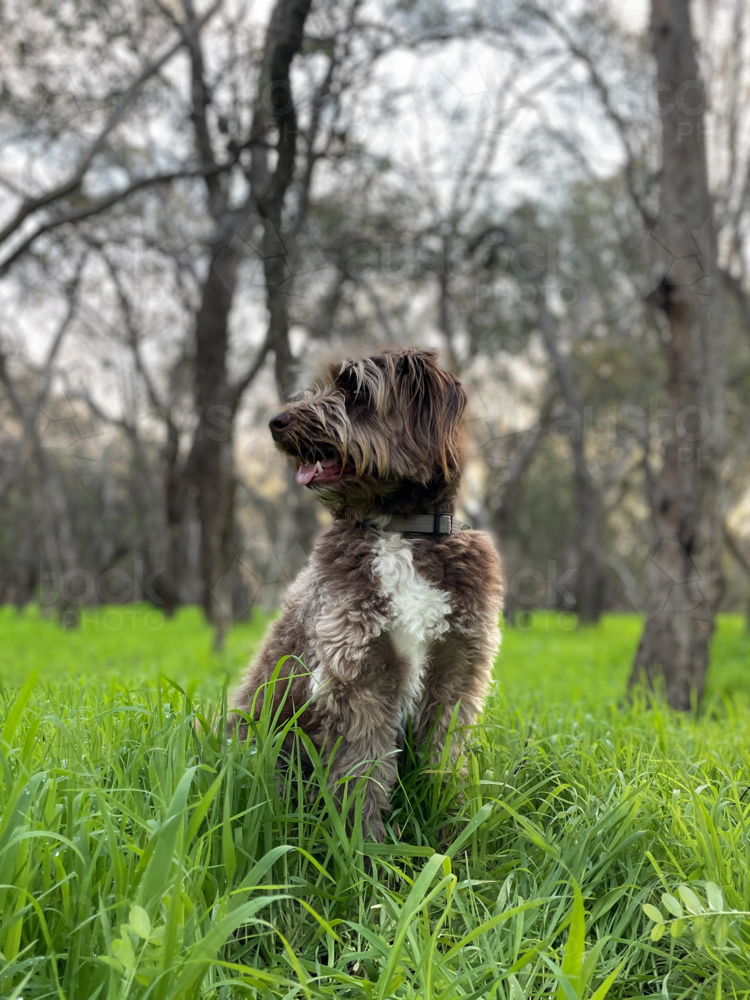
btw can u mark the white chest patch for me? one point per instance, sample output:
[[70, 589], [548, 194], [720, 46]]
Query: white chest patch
[[419, 612]]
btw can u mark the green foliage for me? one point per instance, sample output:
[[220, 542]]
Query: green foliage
[[588, 850]]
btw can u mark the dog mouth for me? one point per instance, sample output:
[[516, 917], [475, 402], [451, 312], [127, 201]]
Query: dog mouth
[[324, 470]]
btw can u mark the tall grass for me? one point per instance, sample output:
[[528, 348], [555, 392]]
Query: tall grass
[[589, 850]]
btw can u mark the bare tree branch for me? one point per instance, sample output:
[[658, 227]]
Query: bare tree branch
[[201, 101], [237, 389], [31, 205], [517, 468], [26, 413], [378, 307], [96, 207], [614, 116]]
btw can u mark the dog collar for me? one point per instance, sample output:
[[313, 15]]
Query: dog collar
[[427, 524]]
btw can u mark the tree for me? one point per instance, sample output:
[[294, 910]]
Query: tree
[[210, 464], [684, 572], [246, 148]]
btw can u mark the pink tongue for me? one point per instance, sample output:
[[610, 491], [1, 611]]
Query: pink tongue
[[306, 473]]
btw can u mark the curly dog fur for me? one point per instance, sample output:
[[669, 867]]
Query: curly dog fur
[[389, 624]]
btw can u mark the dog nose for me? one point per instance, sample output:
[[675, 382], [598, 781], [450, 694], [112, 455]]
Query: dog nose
[[279, 422]]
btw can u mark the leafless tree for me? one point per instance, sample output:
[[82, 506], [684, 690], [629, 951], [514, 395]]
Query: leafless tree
[[684, 579]]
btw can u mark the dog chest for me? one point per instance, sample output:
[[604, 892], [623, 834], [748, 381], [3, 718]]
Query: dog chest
[[418, 612]]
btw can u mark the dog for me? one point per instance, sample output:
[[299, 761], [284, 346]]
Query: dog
[[396, 617]]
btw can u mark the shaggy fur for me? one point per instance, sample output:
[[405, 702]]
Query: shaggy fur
[[388, 625]]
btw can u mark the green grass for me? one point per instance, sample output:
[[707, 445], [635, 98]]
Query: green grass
[[142, 858]]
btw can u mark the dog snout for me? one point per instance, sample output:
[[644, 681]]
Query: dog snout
[[278, 424]]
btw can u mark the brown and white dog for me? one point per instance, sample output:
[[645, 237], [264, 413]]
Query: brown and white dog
[[397, 614]]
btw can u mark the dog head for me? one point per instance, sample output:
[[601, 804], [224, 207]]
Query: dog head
[[369, 427]]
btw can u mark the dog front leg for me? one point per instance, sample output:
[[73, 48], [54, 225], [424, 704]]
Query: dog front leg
[[370, 755], [459, 674], [357, 708]]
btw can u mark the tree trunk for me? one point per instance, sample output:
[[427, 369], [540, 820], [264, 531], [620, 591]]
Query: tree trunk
[[277, 114], [589, 578], [173, 486], [60, 541], [684, 574], [210, 465]]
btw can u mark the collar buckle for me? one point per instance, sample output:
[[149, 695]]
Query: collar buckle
[[443, 524]]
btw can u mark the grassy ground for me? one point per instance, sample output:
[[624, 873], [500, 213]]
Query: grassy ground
[[141, 859]]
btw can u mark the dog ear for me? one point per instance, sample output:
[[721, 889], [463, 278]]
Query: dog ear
[[435, 400], [449, 418]]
